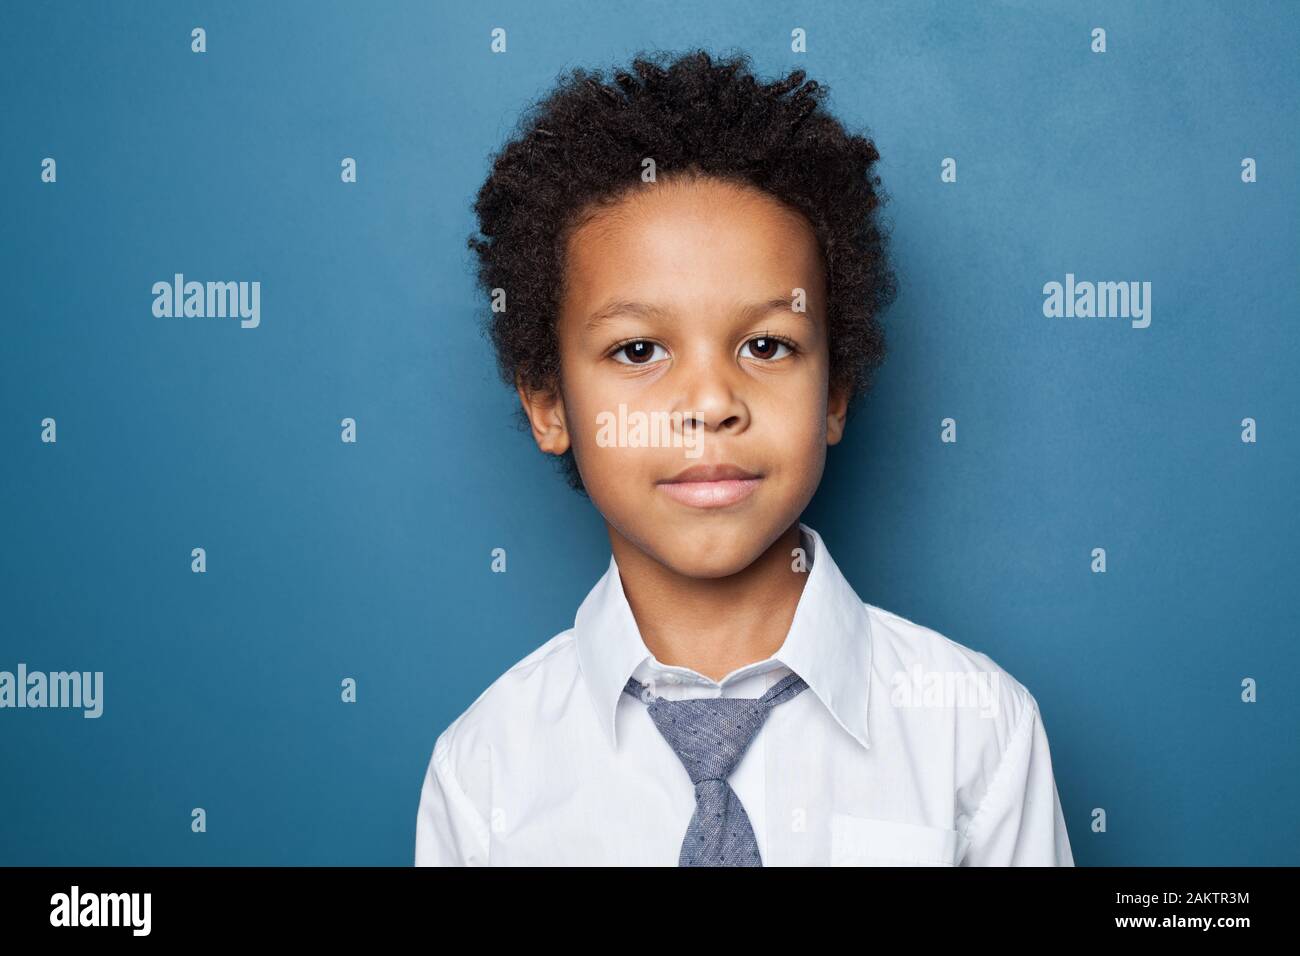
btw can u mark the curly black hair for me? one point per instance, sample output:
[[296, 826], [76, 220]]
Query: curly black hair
[[581, 147]]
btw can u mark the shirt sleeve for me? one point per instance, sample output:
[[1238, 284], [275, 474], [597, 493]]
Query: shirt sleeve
[[449, 831], [1019, 821]]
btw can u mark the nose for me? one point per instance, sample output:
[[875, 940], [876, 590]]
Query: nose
[[710, 395]]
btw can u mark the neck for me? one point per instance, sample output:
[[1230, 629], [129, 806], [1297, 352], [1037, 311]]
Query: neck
[[712, 625]]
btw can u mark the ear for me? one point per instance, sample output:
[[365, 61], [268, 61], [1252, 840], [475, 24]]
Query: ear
[[545, 411], [837, 409]]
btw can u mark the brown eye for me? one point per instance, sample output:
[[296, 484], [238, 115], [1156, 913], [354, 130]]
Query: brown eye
[[766, 348], [639, 352]]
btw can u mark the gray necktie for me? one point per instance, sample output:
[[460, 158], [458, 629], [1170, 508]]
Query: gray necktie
[[710, 735]]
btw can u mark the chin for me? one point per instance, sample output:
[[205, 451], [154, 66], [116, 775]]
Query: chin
[[707, 567], [711, 552]]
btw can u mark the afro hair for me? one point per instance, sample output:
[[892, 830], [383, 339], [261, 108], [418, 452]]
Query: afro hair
[[581, 147]]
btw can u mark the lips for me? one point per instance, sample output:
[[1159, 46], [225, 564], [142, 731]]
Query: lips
[[722, 472], [710, 486]]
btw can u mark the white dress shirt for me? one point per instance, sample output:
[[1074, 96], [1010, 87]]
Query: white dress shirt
[[906, 748]]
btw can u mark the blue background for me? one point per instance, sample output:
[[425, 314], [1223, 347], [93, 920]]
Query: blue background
[[328, 560]]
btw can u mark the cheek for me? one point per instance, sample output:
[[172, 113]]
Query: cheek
[[801, 412], [582, 402], [598, 432], [585, 404]]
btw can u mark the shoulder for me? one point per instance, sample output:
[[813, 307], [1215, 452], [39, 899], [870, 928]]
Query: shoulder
[[509, 705], [917, 667]]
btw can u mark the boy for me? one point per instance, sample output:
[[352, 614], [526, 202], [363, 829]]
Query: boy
[[687, 245]]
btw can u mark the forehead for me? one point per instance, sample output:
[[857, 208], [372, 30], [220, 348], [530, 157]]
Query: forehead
[[673, 239]]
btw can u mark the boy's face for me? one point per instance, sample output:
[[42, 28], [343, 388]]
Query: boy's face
[[679, 305]]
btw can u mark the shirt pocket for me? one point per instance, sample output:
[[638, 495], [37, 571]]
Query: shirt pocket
[[864, 841]]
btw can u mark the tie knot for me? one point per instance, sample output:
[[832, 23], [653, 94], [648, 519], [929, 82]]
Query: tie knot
[[709, 735]]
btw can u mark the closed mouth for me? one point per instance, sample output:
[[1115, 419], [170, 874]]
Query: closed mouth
[[711, 486]]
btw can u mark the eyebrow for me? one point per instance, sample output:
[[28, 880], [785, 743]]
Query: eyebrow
[[606, 312]]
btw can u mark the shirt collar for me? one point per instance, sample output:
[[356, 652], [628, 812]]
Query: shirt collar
[[828, 645]]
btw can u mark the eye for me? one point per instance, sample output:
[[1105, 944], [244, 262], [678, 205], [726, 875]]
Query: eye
[[636, 352], [767, 347]]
